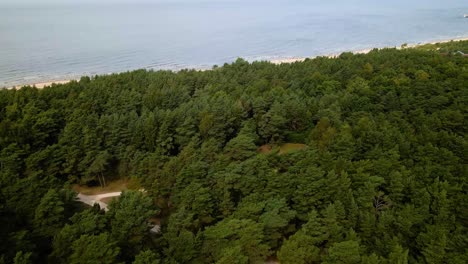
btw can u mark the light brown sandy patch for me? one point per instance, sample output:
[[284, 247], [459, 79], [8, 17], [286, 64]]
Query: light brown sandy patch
[[114, 186]]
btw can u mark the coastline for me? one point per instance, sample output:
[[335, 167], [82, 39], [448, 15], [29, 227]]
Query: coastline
[[278, 61], [49, 83], [40, 85], [365, 51]]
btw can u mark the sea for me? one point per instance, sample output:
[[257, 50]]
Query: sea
[[46, 40]]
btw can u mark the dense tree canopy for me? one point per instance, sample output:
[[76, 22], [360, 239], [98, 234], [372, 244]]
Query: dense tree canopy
[[377, 173]]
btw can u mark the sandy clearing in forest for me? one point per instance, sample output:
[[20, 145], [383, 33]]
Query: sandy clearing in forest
[[97, 199], [112, 186], [93, 199]]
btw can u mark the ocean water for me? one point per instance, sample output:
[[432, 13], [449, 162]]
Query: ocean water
[[56, 40]]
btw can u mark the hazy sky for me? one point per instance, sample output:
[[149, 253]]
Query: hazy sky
[[410, 2], [422, 4]]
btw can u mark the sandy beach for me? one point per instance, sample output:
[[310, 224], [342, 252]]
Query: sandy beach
[[364, 51], [44, 84], [281, 60]]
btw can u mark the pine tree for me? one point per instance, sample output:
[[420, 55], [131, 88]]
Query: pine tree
[[49, 214], [398, 255], [231, 233], [299, 249], [331, 223], [128, 218], [146, 257], [346, 252], [94, 249], [433, 244], [22, 258]]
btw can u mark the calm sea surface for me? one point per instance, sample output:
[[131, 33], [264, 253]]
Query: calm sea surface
[[58, 41]]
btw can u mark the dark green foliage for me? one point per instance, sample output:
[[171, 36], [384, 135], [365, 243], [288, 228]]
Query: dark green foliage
[[22, 258], [299, 249], [94, 249], [344, 252], [87, 222], [49, 214], [146, 257], [381, 178], [243, 236], [128, 217]]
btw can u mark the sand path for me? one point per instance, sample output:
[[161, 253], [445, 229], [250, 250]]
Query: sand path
[[96, 199]]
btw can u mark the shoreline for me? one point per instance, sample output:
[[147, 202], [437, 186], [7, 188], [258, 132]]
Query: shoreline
[[49, 83], [365, 51], [278, 61]]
